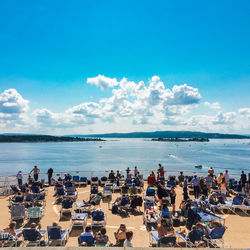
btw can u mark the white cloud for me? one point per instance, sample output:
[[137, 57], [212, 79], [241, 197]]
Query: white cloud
[[245, 112], [11, 102], [224, 118], [215, 105], [103, 82]]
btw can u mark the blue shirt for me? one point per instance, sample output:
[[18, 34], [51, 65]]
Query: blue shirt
[[195, 181]]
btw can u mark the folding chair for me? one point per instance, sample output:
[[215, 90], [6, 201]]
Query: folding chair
[[79, 220], [57, 236]]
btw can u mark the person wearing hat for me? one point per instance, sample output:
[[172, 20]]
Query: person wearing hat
[[120, 235]]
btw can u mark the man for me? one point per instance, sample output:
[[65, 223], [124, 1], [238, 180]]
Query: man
[[35, 171], [87, 238], [120, 235], [50, 173], [19, 177], [127, 242], [211, 171], [185, 190], [196, 182], [243, 179], [209, 180], [181, 179]]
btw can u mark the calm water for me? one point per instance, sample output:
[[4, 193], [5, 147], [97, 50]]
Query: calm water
[[119, 154]]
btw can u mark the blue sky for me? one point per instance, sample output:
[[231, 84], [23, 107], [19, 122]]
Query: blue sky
[[50, 48]]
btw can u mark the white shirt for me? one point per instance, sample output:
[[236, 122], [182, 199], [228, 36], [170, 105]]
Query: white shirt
[[226, 176], [19, 176], [127, 243]]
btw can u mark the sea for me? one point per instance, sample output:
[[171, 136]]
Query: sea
[[113, 154]]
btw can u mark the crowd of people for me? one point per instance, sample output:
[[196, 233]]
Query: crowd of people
[[158, 196]]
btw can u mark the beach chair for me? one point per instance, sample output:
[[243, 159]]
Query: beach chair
[[40, 199], [166, 241], [70, 192], [103, 180], [16, 200], [56, 236], [94, 180], [67, 207], [214, 239], [34, 189], [107, 191], [34, 213], [193, 239], [98, 219], [170, 183], [18, 212], [89, 240], [31, 237], [204, 217], [14, 189], [79, 220], [83, 181], [83, 207], [149, 194], [117, 188], [150, 219], [7, 240], [128, 182], [23, 188], [76, 179], [238, 203], [166, 197], [29, 200]]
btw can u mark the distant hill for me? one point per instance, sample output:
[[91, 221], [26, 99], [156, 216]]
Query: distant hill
[[43, 138], [166, 134]]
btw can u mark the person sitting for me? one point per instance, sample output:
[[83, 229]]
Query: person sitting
[[212, 199], [86, 238], [11, 229], [165, 229], [245, 202], [129, 237], [151, 179], [101, 237], [33, 233], [120, 235], [133, 189], [95, 199]]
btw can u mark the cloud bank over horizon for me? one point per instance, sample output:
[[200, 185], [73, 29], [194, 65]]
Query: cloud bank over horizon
[[130, 107]]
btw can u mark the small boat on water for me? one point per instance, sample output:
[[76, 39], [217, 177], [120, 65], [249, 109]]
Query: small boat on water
[[198, 166]]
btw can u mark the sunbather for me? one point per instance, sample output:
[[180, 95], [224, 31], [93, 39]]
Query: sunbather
[[89, 236], [101, 237], [11, 229], [120, 235], [165, 229]]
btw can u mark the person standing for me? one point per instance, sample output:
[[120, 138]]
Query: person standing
[[19, 177], [50, 173], [243, 179], [195, 181], [172, 198], [185, 188], [36, 172], [226, 176]]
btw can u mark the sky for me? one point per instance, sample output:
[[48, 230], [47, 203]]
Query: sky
[[82, 67]]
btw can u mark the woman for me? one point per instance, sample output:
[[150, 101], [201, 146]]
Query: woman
[[223, 186]]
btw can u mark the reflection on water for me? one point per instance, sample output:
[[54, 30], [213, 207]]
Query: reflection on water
[[119, 154]]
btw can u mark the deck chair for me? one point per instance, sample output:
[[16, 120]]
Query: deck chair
[[57, 236], [94, 180], [128, 182], [83, 207], [70, 192], [34, 189], [107, 190], [79, 220], [67, 207], [215, 237], [23, 188], [76, 179], [16, 200], [117, 188], [209, 217], [166, 241], [83, 181], [98, 219], [170, 183], [34, 213], [7, 240], [149, 194], [194, 237], [90, 241], [104, 180], [147, 221], [14, 189], [29, 200], [18, 212], [40, 199], [238, 203], [32, 238]]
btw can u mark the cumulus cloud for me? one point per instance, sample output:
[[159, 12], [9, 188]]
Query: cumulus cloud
[[215, 105], [224, 118], [11, 102], [103, 82], [245, 112]]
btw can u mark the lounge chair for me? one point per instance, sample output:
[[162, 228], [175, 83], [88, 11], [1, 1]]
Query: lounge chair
[[31, 237], [193, 239], [83, 207], [238, 203], [209, 217], [98, 219], [107, 191], [14, 189], [7, 240], [94, 180], [67, 207], [18, 212], [57, 236], [70, 192], [103, 180], [76, 179], [83, 181], [79, 220], [166, 241], [149, 194], [147, 221], [34, 213], [215, 237], [128, 182]]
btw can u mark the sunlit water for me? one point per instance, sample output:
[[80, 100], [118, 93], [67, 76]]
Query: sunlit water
[[233, 155]]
